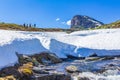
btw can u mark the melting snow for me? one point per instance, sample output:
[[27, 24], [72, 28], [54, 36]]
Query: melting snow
[[80, 43]]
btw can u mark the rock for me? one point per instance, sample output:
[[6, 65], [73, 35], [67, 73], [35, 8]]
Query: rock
[[83, 78], [39, 70], [23, 59], [71, 69], [10, 71], [11, 77], [52, 77], [92, 58], [93, 55], [35, 62], [74, 57], [26, 69], [47, 58], [37, 59], [28, 65], [84, 22], [111, 65], [107, 58]]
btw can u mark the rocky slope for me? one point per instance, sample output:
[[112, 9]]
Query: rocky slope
[[82, 22]]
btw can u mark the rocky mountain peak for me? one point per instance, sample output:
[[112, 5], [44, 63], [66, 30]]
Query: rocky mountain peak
[[80, 21]]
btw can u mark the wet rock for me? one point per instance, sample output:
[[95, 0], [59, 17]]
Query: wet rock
[[52, 77], [101, 79], [74, 57], [44, 70], [83, 78], [107, 58], [40, 70], [93, 55], [111, 65], [71, 69], [92, 58]]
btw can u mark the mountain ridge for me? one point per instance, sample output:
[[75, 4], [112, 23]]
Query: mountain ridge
[[82, 21]]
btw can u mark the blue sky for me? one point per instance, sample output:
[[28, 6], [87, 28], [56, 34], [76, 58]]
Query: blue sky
[[57, 13]]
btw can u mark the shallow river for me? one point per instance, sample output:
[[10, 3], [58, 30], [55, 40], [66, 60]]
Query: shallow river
[[94, 70]]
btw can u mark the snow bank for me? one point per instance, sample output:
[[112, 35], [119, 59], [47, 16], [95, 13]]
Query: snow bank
[[7, 52], [80, 43]]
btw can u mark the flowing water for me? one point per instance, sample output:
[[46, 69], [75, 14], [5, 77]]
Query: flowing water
[[93, 70]]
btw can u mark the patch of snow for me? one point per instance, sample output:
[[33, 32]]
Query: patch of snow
[[97, 23], [79, 43]]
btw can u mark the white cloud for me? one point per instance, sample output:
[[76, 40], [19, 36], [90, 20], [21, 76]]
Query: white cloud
[[68, 22], [57, 19]]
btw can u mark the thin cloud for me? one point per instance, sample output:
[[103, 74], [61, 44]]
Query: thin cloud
[[57, 19]]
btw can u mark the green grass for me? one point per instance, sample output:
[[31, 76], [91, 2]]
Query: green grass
[[111, 25], [12, 26]]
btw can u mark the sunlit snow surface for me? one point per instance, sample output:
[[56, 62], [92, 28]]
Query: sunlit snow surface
[[80, 43]]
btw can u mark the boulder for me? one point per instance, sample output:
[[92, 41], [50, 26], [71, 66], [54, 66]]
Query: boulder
[[37, 59], [47, 58], [71, 69], [23, 59], [93, 55], [10, 71]]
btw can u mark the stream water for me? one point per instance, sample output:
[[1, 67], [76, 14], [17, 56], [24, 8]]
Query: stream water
[[93, 70]]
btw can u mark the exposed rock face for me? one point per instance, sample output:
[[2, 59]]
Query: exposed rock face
[[81, 22]]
